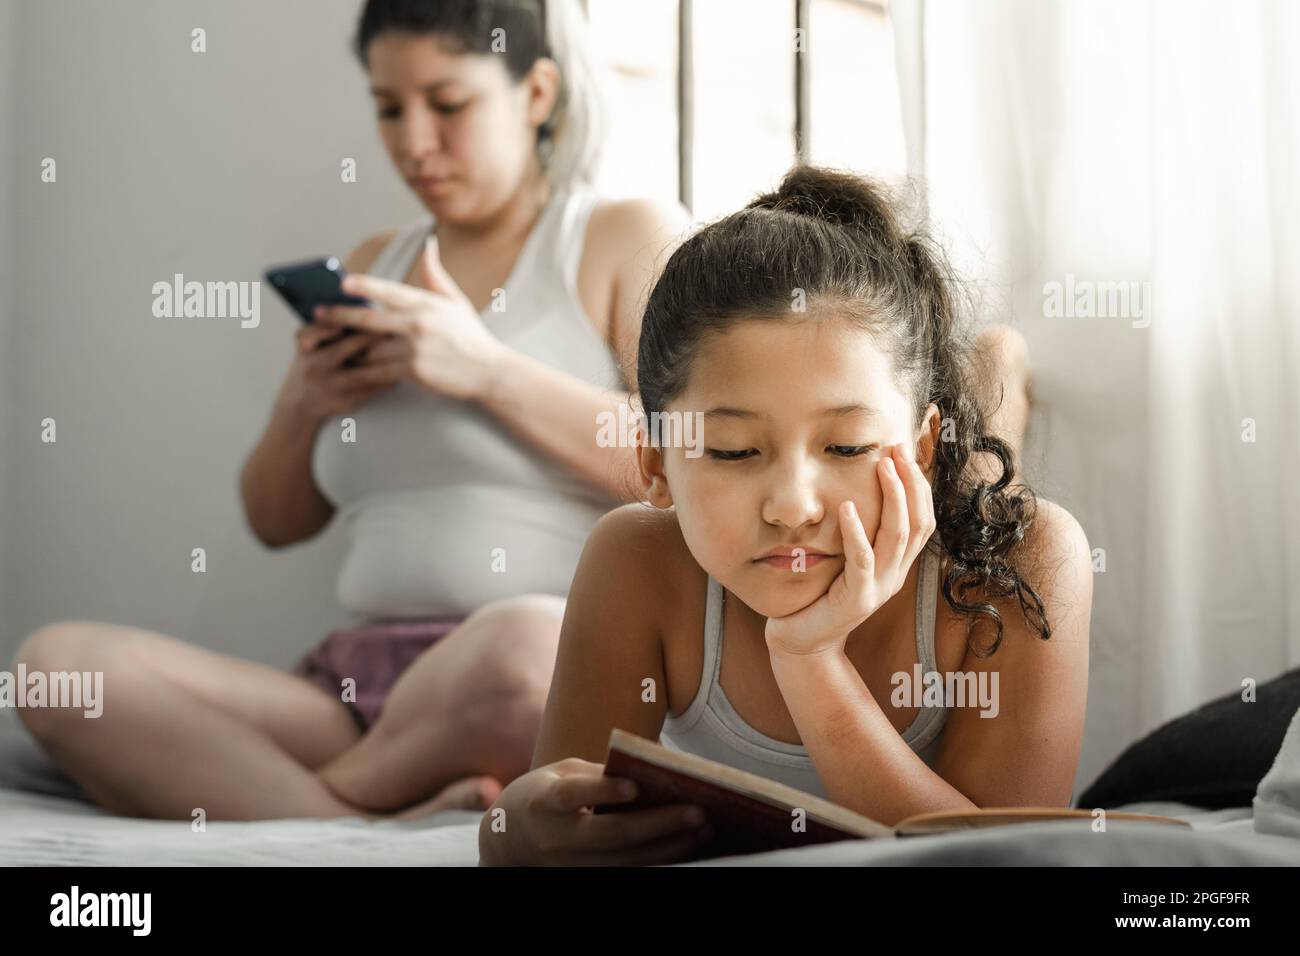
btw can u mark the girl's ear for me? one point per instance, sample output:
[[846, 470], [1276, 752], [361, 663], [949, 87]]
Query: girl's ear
[[650, 467], [927, 442]]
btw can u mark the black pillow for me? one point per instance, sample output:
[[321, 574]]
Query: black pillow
[[1213, 757]]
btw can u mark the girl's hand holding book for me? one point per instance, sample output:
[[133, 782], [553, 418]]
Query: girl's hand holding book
[[871, 575], [545, 818]]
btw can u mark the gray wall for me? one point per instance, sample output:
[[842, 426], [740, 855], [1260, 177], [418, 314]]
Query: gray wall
[[212, 165]]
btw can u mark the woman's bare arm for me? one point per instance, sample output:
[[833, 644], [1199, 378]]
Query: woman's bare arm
[[282, 502], [557, 412]]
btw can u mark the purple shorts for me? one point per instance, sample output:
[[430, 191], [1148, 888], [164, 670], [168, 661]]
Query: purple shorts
[[373, 655]]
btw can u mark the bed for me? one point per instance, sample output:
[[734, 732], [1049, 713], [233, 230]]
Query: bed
[[44, 820]]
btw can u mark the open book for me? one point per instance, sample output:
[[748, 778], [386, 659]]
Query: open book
[[751, 814]]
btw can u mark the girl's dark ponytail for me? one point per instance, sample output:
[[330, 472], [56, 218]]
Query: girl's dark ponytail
[[835, 197], [980, 525]]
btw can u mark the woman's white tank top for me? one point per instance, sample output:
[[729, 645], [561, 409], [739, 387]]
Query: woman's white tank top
[[445, 508], [710, 727]]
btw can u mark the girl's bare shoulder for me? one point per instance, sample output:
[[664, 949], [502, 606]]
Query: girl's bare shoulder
[[641, 537], [643, 556], [1058, 558], [1060, 569], [1055, 559]]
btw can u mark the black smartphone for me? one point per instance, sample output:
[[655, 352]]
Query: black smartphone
[[305, 285]]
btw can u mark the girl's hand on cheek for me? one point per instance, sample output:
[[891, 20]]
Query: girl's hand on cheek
[[871, 576]]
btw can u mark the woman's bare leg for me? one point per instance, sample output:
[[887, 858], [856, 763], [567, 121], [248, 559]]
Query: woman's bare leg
[[1002, 377], [469, 707], [184, 728]]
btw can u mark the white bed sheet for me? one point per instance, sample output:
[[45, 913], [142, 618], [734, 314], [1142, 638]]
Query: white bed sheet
[[42, 823], [41, 830]]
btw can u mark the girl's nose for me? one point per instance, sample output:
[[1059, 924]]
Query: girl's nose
[[794, 498]]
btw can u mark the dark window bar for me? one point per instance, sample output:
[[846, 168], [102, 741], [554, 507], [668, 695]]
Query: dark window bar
[[686, 103], [802, 81]]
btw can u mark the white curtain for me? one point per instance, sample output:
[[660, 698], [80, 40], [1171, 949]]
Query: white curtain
[[1135, 141]]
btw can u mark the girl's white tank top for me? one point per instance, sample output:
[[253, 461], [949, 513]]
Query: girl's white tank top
[[445, 509]]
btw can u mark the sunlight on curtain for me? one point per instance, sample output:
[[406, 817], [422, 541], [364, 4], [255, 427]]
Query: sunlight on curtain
[[1149, 148]]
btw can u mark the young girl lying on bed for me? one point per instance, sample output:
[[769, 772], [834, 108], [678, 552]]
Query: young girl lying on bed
[[837, 529]]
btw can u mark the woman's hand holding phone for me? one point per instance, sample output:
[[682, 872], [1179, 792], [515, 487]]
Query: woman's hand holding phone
[[433, 333], [548, 820], [321, 383]]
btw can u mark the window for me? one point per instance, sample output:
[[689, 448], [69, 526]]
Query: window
[[634, 49], [710, 101]]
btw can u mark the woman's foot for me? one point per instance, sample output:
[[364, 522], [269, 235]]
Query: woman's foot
[[471, 793]]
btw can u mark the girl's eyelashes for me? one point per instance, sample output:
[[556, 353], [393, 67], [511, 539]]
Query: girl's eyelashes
[[839, 451], [722, 454], [851, 451]]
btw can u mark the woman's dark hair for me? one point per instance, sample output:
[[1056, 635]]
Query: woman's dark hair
[[839, 239], [569, 141]]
